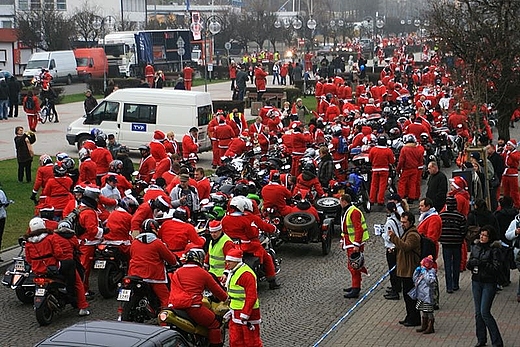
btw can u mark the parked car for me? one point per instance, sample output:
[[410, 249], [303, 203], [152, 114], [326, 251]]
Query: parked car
[[116, 334]]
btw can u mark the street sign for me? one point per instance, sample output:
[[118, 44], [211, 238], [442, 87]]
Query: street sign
[[181, 51], [180, 42], [227, 45]]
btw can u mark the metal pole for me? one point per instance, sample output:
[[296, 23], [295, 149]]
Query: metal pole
[[205, 61], [105, 62]]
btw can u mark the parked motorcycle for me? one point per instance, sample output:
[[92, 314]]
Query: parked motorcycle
[[50, 297], [195, 334], [112, 266], [19, 277], [137, 300]]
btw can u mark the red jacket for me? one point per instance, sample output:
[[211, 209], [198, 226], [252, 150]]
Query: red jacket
[[275, 195], [307, 184], [237, 147], [431, 227], [88, 219], [162, 166], [35, 110], [42, 251], [194, 280], [381, 157], [102, 157], [462, 198], [147, 168], [203, 188], [189, 145], [43, 174], [153, 192], [57, 192], [179, 236], [332, 112], [119, 223], [299, 142], [157, 150], [87, 171], [224, 134], [147, 257], [260, 79], [144, 211], [411, 157], [245, 226], [69, 245], [511, 161]]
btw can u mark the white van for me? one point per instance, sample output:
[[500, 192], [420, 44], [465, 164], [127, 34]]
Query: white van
[[61, 65], [133, 115]]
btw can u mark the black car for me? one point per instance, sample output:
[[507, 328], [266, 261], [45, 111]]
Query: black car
[[116, 334]]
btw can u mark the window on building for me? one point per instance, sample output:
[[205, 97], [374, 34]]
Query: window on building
[[23, 5], [48, 5], [7, 24], [61, 5], [36, 4]]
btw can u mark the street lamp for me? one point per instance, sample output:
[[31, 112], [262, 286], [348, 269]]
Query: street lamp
[[213, 28], [102, 23]]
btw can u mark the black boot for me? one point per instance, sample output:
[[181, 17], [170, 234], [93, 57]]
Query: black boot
[[273, 285], [354, 293], [424, 325]]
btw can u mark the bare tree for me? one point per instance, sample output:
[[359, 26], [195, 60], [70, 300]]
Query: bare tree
[[84, 18], [485, 36], [48, 30]]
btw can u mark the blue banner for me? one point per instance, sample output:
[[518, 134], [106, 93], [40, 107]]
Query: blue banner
[[144, 48]]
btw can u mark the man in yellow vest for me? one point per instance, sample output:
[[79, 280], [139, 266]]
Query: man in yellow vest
[[219, 246], [354, 233], [244, 326]]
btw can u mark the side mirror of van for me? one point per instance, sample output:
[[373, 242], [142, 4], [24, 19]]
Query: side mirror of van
[[90, 65]]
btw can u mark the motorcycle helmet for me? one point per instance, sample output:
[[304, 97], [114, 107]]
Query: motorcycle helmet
[[78, 189], [115, 166], [303, 205], [329, 96], [248, 205], [410, 138], [68, 163], [101, 140], [36, 223], [180, 214], [356, 260], [92, 193], [336, 131], [309, 167], [59, 170], [62, 155], [150, 226], [160, 204], [310, 152], [47, 213], [45, 159], [144, 150], [381, 141], [394, 133], [241, 189], [239, 202], [425, 137], [123, 150], [83, 154], [195, 255], [129, 204]]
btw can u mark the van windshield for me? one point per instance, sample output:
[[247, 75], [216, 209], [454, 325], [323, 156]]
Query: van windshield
[[37, 64], [82, 62], [115, 50], [204, 115]]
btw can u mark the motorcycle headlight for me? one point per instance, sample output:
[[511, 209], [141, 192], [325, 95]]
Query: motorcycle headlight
[[163, 316]]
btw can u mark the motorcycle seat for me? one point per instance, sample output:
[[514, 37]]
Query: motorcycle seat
[[184, 314]]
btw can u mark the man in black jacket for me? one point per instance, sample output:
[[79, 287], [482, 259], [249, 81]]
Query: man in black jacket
[[498, 166], [14, 90], [437, 186]]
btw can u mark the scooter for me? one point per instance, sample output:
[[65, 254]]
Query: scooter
[[19, 277]]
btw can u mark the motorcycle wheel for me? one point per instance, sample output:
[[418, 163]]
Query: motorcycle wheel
[[24, 295], [299, 221], [366, 201], [44, 314], [44, 112], [128, 314], [108, 279], [326, 243], [328, 204]]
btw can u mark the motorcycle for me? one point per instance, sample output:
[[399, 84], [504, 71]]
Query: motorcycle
[[50, 297], [137, 300], [112, 266], [195, 334], [19, 277]]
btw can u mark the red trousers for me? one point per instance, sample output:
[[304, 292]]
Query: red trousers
[[463, 256], [162, 292], [205, 317], [407, 186], [216, 153], [510, 184], [222, 152], [256, 248], [187, 84], [87, 261], [241, 336], [295, 167], [378, 186], [80, 292], [355, 274], [418, 185], [33, 122]]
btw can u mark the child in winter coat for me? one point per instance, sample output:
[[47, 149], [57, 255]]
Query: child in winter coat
[[425, 278]]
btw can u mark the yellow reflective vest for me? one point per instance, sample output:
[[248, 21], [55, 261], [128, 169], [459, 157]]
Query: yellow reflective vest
[[349, 226], [217, 259], [237, 294]]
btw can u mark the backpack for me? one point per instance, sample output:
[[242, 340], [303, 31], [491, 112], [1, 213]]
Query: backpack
[[343, 145], [29, 103], [427, 247], [73, 219]]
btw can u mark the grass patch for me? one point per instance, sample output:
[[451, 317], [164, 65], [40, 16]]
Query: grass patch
[[20, 213], [67, 99]]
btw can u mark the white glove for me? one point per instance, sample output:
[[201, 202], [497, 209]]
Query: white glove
[[227, 316]]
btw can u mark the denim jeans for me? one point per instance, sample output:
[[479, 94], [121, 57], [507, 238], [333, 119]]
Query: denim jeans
[[483, 295], [451, 255], [4, 109]]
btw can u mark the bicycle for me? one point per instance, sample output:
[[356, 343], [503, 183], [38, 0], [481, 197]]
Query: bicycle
[[46, 112]]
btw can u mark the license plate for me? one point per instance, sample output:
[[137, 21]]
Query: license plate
[[124, 295], [100, 264], [40, 292], [19, 266]]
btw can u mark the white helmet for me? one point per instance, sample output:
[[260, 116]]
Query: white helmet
[[36, 224], [83, 153], [240, 203], [248, 205]]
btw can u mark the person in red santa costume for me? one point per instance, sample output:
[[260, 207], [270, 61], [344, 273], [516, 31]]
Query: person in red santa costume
[[87, 168], [147, 257], [190, 145], [510, 177], [148, 210], [238, 145], [212, 126], [381, 158], [430, 223], [409, 160], [224, 134], [240, 223], [147, 164], [179, 235], [299, 141], [44, 173], [119, 223], [57, 189], [191, 280], [244, 326], [276, 195], [157, 149]]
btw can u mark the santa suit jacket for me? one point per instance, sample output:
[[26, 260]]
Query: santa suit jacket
[[147, 168], [157, 150], [57, 192], [119, 223], [43, 174], [178, 235], [102, 157], [42, 251], [87, 171], [275, 195], [381, 158], [189, 145], [147, 257]]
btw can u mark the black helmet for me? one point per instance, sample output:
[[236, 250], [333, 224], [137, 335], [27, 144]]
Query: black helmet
[[303, 205], [144, 148], [150, 226], [59, 170], [195, 255], [381, 141], [47, 213], [160, 204], [180, 214], [129, 204], [309, 167], [329, 96], [123, 149], [241, 189], [68, 163], [101, 140], [115, 166], [276, 177]]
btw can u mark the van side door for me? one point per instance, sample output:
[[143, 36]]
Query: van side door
[[138, 124], [104, 117]]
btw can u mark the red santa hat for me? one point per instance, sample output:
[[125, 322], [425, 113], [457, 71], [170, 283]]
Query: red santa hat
[[90, 145], [158, 135], [458, 182], [512, 143], [214, 226], [295, 124], [234, 254]]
